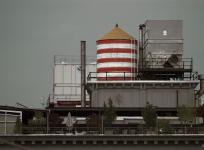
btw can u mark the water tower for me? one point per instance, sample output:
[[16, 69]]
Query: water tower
[[116, 56]]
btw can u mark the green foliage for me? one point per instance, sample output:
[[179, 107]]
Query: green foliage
[[185, 114], [109, 113], [18, 126], [164, 127], [200, 111], [36, 125], [149, 115], [38, 120]]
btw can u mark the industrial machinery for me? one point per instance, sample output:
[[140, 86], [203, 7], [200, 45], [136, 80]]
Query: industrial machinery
[[157, 73], [66, 81], [162, 76], [161, 51]]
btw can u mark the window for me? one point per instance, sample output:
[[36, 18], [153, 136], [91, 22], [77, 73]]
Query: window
[[164, 32]]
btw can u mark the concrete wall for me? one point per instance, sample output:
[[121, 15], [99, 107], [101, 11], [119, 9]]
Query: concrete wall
[[101, 142], [107, 147]]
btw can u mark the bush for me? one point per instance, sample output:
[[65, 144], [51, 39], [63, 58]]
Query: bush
[[164, 127], [18, 126], [149, 115], [109, 113], [36, 125]]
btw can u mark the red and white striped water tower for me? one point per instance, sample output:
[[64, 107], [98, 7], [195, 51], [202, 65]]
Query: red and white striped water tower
[[116, 56]]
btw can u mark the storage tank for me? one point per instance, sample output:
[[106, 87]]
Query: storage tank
[[116, 56]]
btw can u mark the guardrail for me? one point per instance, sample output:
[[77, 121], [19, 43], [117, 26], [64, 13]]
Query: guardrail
[[111, 130], [110, 76], [93, 76]]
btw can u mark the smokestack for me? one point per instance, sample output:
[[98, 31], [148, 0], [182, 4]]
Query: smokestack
[[141, 44], [83, 73]]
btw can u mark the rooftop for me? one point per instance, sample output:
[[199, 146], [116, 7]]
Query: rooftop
[[117, 33]]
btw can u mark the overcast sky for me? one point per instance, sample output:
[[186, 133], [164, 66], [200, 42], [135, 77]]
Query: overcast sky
[[33, 31]]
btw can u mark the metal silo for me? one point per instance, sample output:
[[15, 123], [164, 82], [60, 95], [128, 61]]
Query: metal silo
[[116, 56]]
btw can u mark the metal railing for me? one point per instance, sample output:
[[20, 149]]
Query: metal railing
[[66, 100], [66, 97], [112, 130], [72, 59], [183, 63], [110, 76], [93, 76]]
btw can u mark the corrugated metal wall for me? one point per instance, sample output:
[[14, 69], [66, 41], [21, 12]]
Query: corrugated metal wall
[[67, 79], [163, 38], [139, 97]]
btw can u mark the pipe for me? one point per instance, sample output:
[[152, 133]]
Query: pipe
[[201, 90], [141, 44], [83, 73], [141, 35]]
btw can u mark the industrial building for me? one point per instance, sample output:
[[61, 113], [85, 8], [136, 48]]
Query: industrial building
[[131, 72], [162, 78]]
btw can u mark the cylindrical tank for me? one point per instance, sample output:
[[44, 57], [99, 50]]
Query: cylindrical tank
[[116, 56]]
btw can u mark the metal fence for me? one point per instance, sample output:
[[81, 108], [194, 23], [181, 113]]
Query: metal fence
[[72, 59], [111, 130], [183, 63], [94, 76]]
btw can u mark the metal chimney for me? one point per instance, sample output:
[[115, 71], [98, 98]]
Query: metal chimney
[[83, 73], [141, 44]]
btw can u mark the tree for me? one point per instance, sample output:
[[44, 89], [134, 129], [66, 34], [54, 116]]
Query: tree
[[109, 113], [185, 114], [149, 115], [38, 120], [18, 126], [200, 112], [164, 127], [36, 124]]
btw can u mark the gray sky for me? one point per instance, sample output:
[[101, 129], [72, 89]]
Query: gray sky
[[33, 31]]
